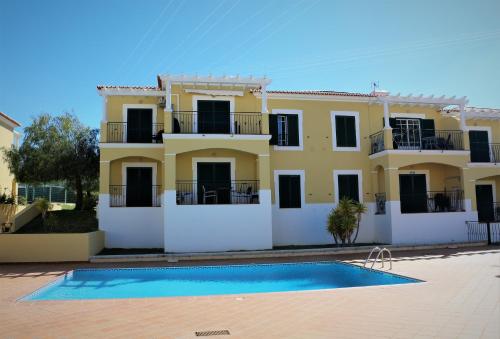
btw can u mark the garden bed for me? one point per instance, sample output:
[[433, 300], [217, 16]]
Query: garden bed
[[63, 221]]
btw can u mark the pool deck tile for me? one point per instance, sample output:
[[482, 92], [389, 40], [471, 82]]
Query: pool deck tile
[[459, 299]]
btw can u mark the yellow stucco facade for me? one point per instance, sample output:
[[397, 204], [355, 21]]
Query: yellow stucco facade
[[7, 139], [317, 158]]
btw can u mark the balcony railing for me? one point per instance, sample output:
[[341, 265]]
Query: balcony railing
[[121, 132], [484, 152], [134, 196], [419, 139], [224, 192], [433, 202], [189, 122], [377, 142], [380, 199]]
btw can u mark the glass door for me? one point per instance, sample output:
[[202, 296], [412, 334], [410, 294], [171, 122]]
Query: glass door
[[407, 134]]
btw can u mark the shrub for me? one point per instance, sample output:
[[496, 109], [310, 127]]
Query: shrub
[[344, 220]]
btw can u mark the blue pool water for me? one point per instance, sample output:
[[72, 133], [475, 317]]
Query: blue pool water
[[210, 280]]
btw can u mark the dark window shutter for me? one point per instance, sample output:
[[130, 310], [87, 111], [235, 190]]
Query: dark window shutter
[[345, 129], [427, 126], [348, 186], [293, 129], [340, 131], [295, 191], [273, 129], [289, 191]]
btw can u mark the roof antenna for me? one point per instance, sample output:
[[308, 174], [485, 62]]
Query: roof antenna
[[375, 86]]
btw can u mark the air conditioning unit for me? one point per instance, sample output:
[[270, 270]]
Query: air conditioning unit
[[162, 102]]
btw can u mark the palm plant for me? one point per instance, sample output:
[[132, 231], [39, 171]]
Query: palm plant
[[344, 220], [359, 210]]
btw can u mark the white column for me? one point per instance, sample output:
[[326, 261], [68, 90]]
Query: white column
[[264, 99], [463, 127], [168, 96], [386, 115]]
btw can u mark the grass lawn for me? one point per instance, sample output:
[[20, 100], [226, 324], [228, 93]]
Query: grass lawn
[[63, 221]]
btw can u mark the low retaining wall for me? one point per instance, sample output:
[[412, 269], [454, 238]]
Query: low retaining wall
[[53, 247]]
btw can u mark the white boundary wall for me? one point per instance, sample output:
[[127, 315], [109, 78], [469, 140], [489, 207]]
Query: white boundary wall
[[209, 228], [307, 225], [429, 228], [130, 227]]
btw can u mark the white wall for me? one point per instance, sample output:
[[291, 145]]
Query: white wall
[[429, 228], [130, 227], [307, 225], [209, 228]]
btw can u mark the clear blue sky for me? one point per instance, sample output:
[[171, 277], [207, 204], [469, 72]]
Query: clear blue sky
[[54, 53]]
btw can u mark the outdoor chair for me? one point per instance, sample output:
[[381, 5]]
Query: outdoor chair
[[177, 126], [208, 194], [445, 144], [158, 138]]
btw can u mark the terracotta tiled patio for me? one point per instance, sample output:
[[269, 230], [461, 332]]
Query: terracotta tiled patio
[[460, 299]]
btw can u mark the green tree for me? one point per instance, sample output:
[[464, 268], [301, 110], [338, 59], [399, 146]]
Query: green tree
[[58, 148]]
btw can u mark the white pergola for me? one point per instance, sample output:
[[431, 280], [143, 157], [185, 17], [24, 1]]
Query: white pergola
[[228, 81], [422, 100], [476, 113]]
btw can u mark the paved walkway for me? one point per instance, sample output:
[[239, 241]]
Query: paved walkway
[[460, 299]]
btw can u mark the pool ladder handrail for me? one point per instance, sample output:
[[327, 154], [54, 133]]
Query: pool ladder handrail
[[379, 253]]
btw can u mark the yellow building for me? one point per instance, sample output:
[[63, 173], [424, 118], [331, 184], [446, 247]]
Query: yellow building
[[8, 137], [222, 163]]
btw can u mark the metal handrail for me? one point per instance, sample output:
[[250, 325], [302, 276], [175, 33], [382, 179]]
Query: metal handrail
[[380, 253]]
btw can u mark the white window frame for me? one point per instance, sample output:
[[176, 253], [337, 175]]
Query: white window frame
[[302, 175], [213, 98], [126, 107], [493, 185], [354, 114], [481, 128], [301, 142], [153, 165], [194, 164], [427, 174], [408, 115], [336, 174]]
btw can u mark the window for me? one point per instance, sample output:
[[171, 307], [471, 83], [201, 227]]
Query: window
[[348, 184], [289, 191], [282, 130], [285, 127], [345, 126]]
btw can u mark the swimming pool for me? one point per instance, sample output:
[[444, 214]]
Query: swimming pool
[[210, 280]]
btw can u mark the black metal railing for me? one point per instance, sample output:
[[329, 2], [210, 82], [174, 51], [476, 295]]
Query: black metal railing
[[377, 142], [189, 122], [191, 192], [433, 202], [483, 231], [380, 203], [484, 152], [428, 139], [121, 132], [132, 196]]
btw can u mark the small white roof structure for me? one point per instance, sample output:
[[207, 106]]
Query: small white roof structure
[[475, 113], [224, 80], [422, 100]]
